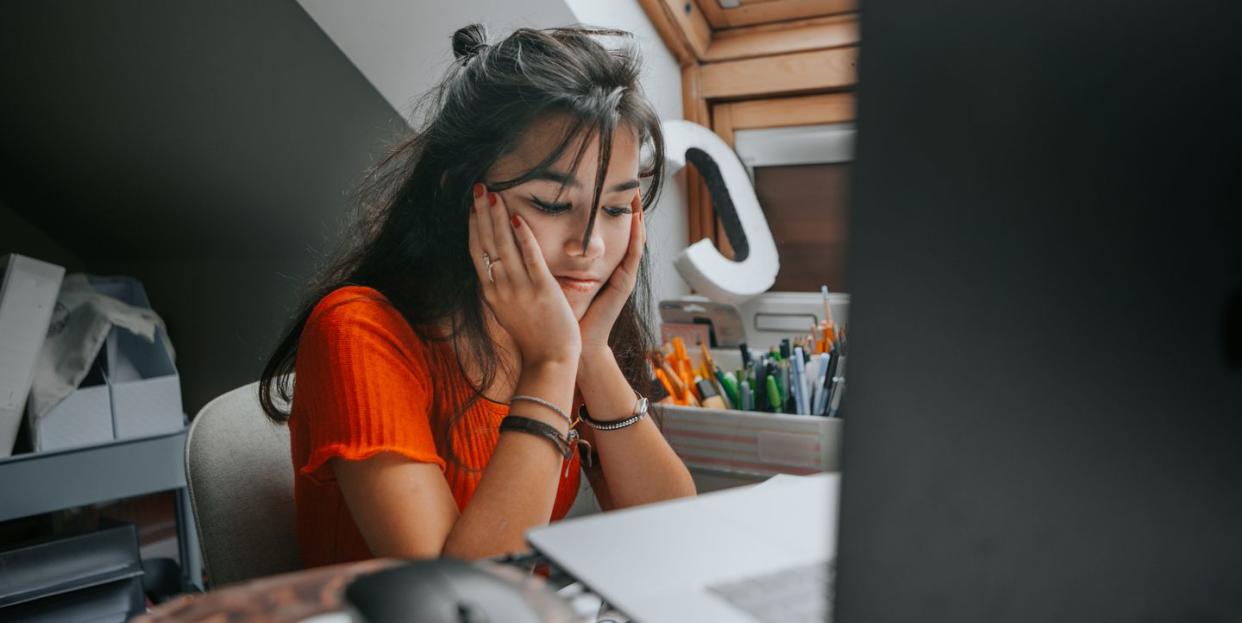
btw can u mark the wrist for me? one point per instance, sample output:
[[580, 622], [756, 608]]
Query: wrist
[[567, 358], [595, 354]]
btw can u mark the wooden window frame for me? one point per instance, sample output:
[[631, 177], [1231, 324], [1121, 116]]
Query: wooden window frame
[[730, 117], [739, 69]]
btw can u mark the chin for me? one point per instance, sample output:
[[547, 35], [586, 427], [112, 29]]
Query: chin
[[579, 302]]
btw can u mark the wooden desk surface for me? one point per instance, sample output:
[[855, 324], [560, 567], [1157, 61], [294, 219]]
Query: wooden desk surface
[[282, 598]]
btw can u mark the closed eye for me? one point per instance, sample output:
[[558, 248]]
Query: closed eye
[[550, 208]]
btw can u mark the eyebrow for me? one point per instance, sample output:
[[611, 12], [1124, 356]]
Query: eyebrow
[[567, 180]]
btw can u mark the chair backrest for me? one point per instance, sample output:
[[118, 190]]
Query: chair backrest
[[241, 488]]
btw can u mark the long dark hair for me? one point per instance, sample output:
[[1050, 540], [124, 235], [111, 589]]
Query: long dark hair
[[409, 241]]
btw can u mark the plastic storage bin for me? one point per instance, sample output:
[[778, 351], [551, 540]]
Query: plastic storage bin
[[752, 443]]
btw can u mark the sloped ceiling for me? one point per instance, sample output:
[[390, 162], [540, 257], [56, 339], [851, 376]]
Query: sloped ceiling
[[173, 130]]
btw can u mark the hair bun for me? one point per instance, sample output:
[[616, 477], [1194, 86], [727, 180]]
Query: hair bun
[[469, 40]]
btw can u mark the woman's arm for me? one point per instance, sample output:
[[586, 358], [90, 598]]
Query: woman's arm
[[405, 509], [409, 510], [638, 465]]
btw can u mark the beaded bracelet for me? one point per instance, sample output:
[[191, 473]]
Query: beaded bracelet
[[640, 411]]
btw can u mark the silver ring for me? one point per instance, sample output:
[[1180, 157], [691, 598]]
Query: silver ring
[[487, 259]]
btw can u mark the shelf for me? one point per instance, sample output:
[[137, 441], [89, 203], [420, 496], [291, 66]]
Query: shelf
[[43, 482]]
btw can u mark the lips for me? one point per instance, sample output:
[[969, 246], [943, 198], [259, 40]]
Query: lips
[[578, 283]]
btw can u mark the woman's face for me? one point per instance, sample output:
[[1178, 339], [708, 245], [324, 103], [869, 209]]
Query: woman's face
[[558, 222]]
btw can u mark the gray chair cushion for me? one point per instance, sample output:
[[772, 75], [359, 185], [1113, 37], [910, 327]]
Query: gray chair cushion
[[241, 487]]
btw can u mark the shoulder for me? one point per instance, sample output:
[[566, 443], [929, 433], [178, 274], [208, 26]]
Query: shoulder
[[359, 315], [349, 303]]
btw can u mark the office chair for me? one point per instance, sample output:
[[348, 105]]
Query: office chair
[[241, 489]]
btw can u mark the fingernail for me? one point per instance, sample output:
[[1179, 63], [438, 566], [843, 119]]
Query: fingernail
[[514, 219], [491, 199], [478, 191]]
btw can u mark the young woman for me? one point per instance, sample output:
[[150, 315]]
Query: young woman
[[495, 284]]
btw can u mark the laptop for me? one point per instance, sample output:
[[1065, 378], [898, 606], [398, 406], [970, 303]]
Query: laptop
[[755, 553]]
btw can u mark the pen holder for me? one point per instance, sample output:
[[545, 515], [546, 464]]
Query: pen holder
[[752, 443]]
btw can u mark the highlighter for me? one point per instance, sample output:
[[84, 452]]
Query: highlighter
[[729, 382], [711, 399], [774, 394]]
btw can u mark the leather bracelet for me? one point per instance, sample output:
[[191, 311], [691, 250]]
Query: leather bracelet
[[640, 411], [564, 444]]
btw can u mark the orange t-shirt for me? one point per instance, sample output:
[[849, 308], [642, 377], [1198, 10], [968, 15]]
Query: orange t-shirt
[[366, 383]]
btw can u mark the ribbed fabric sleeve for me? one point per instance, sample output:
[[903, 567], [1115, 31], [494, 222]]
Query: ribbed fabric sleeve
[[364, 388], [366, 383]]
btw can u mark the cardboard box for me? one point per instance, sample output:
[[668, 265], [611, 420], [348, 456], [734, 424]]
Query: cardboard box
[[27, 297], [139, 390]]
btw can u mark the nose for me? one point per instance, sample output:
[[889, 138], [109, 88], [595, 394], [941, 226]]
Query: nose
[[595, 243]]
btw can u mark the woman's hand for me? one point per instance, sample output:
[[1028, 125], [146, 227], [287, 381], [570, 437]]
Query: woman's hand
[[518, 287], [597, 323]]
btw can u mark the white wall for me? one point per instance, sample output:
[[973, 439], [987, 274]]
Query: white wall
[[404, 46]]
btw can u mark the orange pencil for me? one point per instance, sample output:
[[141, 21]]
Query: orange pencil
[[668, 386], [679, 348], [679, 388]]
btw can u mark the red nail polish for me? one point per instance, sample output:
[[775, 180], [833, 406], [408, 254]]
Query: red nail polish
[[491, 199], [478, 191], [514, 219]]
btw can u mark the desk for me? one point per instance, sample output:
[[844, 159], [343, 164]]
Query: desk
[[285, 598]]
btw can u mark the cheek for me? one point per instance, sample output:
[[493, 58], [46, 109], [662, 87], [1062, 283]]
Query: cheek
[[616, 243], [545, 235]]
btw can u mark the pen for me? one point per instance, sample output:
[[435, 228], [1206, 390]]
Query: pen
[[760, 385], [799, 373], [786, 387], [821, 392], [748, 401], [823, 290], [838, 388]]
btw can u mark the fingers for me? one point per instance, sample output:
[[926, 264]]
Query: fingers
[[638, 237], [532, 256], [476, 248], [505, 248]]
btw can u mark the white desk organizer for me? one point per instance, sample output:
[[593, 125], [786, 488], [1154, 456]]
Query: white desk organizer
[[139, 394], [752, 443]]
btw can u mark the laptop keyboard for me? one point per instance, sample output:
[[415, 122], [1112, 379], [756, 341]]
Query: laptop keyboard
[[791, 595]]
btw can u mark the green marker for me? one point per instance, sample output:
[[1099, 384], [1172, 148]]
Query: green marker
[[774, 394], [729, 383], [777, 379]]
